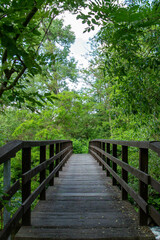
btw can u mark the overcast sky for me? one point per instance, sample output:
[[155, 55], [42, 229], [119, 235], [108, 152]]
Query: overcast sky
[[80, 47]]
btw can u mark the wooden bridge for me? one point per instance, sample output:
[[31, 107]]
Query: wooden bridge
[[87, 199]]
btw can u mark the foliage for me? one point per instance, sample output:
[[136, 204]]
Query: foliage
[[80, 146], [25, 28]]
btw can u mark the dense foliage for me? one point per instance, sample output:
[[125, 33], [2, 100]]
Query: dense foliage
[[25, 29]]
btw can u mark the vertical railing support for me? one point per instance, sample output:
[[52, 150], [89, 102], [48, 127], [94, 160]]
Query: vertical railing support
[[51, 167], [104, 158], [26, 188], [124, 172], [6, 182], [64, 146], [97, 145], [61, 157], [43, 172], [143, 188], [114, 152], [108, 160], [57, 160], [100, 154]]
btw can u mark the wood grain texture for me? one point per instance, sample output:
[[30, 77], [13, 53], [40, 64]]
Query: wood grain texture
[[83, 205]]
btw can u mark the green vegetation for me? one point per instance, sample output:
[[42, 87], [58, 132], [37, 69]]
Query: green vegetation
[[121, 99]]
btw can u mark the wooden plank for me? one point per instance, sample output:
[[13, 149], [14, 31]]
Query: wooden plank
[[43, 172], [124, 172], [13, 189], [155, 215], [155, 146], [82, 206], [26, 187], [83, 220], [83, 234], [114, 164], [43, 143], [143, 187], [57, 160], [4, 234], [155, 184], [51, 166], [138, 144], [108, 160], [9, 150]]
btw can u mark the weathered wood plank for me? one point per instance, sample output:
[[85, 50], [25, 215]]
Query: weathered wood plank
[[9, 150], [83, 234], [15, 187]]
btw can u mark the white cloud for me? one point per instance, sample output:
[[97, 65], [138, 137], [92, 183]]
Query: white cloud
[[80, 48]]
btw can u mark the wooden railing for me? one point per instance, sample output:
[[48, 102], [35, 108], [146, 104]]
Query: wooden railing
[[101, 150], [59, 152]]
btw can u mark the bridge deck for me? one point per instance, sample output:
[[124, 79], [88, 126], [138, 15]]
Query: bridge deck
[[83, 205]]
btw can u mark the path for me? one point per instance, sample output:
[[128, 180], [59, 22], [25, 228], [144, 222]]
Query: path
[[83, 205]]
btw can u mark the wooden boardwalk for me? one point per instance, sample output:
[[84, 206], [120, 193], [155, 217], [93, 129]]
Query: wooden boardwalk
[[83, 205]]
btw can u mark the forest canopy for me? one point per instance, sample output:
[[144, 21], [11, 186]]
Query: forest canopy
[[121, 96]]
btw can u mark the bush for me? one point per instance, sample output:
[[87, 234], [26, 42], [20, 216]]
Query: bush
[[80, 146]]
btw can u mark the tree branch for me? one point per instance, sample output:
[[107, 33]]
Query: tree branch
[[46, 31], [28, 19], [4, 88], [8, 72]]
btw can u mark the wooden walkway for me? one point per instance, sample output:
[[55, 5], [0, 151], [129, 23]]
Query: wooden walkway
[[83, 205]]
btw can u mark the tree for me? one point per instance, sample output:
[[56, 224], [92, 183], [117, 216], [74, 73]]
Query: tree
[[21, 40], [58, 66], [129, 39]]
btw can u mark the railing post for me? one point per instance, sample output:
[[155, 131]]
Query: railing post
[[68, 145], [43, 172], [61, 158], [64, 146], [104, 158], [96, 151], [124, 172], [114, 182], [57, 160], [6, 182], [143, 188], [108, 160], [71, 146], [100, 154], [26, 188], [51, 167]]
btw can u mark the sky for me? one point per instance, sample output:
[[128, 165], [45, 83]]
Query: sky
[[80, 47]]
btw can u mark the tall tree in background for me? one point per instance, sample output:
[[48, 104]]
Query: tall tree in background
[[130, 42], [125, 65], [58, 66]]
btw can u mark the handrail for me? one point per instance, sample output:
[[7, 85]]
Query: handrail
[[153, 145], [101, 151], [139, 144], [59, 152], [11, 148]]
